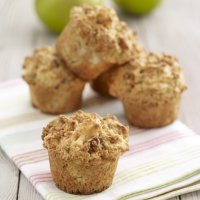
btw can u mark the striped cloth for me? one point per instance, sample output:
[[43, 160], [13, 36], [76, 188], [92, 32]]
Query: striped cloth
[[161, 163]]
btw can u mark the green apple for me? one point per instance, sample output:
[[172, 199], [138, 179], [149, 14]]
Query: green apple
[[55, 13], [138, 7]]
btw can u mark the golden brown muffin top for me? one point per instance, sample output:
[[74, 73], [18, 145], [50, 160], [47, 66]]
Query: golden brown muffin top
[[46, 68], [86, 137], [149, 77], [99, 32]]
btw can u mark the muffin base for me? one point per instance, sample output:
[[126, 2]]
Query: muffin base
[[80, 178], [56, 100], [151, 115]]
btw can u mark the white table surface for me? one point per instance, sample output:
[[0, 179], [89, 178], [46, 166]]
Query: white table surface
[[173, 28]]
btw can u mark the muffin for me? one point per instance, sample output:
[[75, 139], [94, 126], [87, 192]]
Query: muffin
[[150, 89], [101, 83], [53, 88], [84, 149], [95, 40]]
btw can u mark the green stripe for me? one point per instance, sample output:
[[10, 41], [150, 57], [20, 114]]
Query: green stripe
[[154, 166], [194, 186], [192, 174], [170, 164], [63, 196]]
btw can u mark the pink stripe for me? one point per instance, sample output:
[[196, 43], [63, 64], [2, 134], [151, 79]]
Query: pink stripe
[[21, 159], [40, 178], [167, 135], [30, 157], [8, 84], [46, 174], [158, 139], [155, 142], [22, 155], [33, 180], [42, 181], [27, 162]]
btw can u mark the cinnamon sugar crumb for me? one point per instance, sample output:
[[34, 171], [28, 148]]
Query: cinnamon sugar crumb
[[93, 138]]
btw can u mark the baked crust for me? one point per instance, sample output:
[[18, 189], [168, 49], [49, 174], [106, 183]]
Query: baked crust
[[53, 88], [95, 40], [150, 89]]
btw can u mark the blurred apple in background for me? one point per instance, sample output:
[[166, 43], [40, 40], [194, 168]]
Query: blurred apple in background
[[55, 13], [138, 7]]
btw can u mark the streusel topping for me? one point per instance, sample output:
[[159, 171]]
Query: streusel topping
[[98, 32], [46, 68], [86, 137], [150, 76]]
